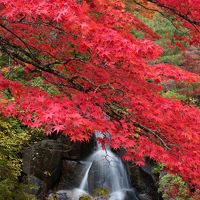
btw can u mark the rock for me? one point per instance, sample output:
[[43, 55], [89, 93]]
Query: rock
[[56, 165], [43, 160], [100, 198], [124, 194], [72, 174], [143, 181], [76, 151], [77, 193], [130, 194], [61, 195], [144, 197], [38, 187], [64, 195]]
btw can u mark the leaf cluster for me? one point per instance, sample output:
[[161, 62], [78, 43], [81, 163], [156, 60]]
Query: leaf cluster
[[101, 192], [173, 187], [13, 137], [85, 197]]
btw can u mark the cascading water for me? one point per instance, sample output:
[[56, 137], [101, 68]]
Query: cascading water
[[105, 170]]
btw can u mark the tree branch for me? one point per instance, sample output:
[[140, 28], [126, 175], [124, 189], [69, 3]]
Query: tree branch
[[146, 129], [185, 17]]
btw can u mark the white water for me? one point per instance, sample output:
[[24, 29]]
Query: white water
[[107, 172], [111, 172], [84, 182]]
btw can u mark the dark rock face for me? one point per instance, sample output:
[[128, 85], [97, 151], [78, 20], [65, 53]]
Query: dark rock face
[[75, 150], [57, 165], [71, 175], [130, 195], [143, 181], [61, 195], [43, 160], [54, 164], [144, 197], [38, 187]]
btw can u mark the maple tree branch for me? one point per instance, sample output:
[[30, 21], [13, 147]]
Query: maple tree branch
[[59, 62], [24, 56], [165, 15], [97, 86], [17, 52], [140, 4], [77, 86], [51, 23], [183, 16], [60, 86], [146, 129], [30, 48], [15, 35], [116, 115], [34, 61], [155, 10]]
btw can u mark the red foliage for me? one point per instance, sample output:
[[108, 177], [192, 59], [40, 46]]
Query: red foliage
[[86, 50]]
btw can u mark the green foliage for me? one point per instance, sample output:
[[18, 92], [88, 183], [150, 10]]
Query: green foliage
[[157, 168], [36, 81], [39, 82], [6, 93], [51, 89], [173, 187], [169, 57], [13, 137], [165, 27], [15, 73], [52, 197], [85, 197], [174, 95], [4, 60], [101, 192], [36, 135], [137, 34]]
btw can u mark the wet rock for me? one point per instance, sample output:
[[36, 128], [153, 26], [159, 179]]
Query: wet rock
[[76, 151], [124, 194], [100, 198], [61, 195], [130, 195], [143, 181], [57, 165], [77, 193], [144, 197], [72, 174]]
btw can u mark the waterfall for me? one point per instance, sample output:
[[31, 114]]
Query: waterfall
[[106, 170], [84, 182]]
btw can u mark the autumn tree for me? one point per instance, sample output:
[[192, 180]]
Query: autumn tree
[[102, 76]]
